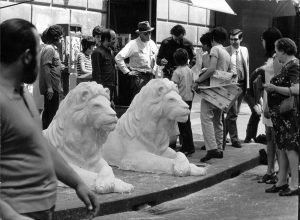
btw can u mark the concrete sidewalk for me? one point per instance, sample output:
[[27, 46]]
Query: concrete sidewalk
[[152, 189], [240, 198]]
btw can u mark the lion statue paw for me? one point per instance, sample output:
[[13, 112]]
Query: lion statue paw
[[121, 186], [104, 185], [197, 171], [181, 165]]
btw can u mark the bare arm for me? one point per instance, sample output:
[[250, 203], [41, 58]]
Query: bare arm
[[208, 73], [69, 177], [122, 55], [294, 90], [8, 213]]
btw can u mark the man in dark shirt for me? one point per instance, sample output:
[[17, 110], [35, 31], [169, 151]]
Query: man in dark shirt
[[29, 166], [103, 62], [50, 73], [169, 46]]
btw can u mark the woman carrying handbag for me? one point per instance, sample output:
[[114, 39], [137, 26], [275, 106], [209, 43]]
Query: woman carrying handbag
[[284, 124]]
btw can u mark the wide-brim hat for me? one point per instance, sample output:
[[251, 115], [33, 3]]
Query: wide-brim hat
[[144, 26]]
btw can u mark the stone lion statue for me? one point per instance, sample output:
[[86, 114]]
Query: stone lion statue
[[140, 141], [78, 131]]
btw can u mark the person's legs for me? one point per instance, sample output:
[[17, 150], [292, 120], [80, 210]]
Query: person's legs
[[218, 127], [270, 176], [281, 184], [230, 119], [252, 126], [271, 149], [293, 159], [187, 134], [206, 117], [283, 168], [50, 108]]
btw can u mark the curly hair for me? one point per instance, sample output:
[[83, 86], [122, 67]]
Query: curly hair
[[177, 30], [219, 34], [53, 33], [286, 45], [97, 30]]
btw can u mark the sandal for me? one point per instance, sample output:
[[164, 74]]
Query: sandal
[[268, 178], [273, 179]]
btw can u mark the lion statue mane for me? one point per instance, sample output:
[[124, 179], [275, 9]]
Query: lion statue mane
[[79, 129], [140, 141]]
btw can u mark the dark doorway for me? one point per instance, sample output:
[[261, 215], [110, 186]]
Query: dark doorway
[[124, 16]]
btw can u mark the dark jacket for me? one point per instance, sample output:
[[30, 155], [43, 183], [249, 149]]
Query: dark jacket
[[103, 64], [255, 90], [167, 49]]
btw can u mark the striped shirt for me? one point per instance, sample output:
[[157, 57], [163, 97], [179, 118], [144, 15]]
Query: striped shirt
[[87, 63]]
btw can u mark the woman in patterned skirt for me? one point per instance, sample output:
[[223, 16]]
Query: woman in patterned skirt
[[285, 126]]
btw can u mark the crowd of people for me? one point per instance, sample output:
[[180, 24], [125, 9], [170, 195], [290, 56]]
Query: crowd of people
[[28, 189]]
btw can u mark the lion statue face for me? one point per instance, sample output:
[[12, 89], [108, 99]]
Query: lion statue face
[[174, 107], [82, 124], [153, 112], [100, 114]]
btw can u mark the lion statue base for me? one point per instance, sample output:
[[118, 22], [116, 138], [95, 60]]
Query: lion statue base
[[140, 141], [78, 131]]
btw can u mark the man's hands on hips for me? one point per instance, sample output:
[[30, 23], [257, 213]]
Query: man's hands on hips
[[257, 108], [50, 93], [163, 62], [132, 73]]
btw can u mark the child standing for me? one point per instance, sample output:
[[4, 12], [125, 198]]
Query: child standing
[[183, 77]]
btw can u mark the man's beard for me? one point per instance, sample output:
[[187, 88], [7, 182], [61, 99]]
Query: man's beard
[[29, 72]]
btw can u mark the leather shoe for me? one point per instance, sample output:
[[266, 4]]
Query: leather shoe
[[275, 189], [247, 140], [269, 179], [189, 153], [236, 144], [212, 154], [289, 192]]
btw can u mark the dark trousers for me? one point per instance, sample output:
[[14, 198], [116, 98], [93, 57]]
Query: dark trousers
[[50, 108], [229, 124], [138, 81], [252, 126], [65, 81], [186, 133], [41, 215]]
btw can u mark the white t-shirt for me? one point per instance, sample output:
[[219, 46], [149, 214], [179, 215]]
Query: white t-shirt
[[183, 77]]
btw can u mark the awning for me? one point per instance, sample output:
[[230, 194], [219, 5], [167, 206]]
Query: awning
[[215, 5]]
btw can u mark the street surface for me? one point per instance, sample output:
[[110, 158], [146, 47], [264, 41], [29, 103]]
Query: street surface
[[240, 198]]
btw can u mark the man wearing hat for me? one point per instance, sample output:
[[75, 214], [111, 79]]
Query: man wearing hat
[[169, 46], [142, 54]]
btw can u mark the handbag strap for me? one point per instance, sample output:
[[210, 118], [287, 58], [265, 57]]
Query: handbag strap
[[290, 91]]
